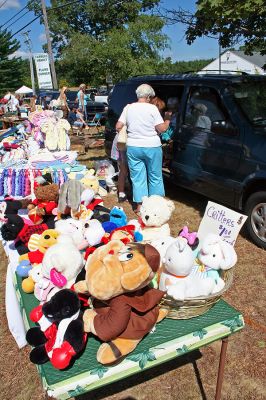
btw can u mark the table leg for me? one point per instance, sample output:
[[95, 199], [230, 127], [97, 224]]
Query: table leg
[[221, 369]]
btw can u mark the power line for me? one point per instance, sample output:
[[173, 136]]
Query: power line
[[4, 2], [48, 10], [10, 19], [18, 19], [52, 9], [25, 26]]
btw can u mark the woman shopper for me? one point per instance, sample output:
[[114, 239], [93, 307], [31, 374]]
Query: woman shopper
[[62, 102], [82, 99], [144, 153]]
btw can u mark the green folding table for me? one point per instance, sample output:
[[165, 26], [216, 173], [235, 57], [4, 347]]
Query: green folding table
[[170, 339]]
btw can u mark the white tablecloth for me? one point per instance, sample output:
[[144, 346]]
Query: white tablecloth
[[13, 314]]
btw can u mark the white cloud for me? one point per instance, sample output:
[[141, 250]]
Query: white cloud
[[20, 53], [42, 38], [10, 4]]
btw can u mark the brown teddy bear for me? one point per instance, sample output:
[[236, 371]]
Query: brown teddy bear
[[125, 308], [46, 199]]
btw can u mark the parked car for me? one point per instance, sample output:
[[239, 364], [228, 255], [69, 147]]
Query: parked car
[[223, 154], [93, 107]]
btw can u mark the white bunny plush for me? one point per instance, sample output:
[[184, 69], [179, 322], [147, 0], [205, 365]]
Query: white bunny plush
[[176, 278], [214, 255], [161, 245]]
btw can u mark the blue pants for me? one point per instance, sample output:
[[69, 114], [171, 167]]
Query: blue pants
[[145, 167]]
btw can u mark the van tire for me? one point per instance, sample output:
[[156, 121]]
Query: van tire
[[255, 209]]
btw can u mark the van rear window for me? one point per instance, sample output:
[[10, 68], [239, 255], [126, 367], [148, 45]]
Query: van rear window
[[122, 95], [251, 98]]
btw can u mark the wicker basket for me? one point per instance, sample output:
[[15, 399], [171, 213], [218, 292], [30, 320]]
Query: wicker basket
[[190, 308]]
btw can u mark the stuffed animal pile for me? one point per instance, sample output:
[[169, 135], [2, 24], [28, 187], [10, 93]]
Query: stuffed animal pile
[[72, 246]]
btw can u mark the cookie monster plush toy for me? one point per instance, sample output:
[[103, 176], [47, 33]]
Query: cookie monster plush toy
[[118, 216]]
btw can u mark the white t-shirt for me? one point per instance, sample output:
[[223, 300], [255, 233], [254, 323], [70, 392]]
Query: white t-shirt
[[141, 119]]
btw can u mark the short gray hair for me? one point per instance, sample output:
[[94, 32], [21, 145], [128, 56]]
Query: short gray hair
[[145, 90]]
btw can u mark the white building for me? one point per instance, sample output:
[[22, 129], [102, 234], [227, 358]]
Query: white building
[[236, 60]]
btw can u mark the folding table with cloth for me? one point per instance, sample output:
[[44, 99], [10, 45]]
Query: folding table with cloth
[[170, 339]]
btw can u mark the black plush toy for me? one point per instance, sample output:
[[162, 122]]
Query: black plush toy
[[16, 228], [10, 207], [60, 335]]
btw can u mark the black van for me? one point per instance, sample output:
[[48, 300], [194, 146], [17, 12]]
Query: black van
[[219, 144]]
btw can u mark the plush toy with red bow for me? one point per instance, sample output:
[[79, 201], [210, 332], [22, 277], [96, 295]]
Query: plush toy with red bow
[[60, 335], [16, 228], [46, 199]]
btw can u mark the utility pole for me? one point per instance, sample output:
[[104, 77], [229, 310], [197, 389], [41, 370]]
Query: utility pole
[[27, 41], [220, 54], [49, 45]]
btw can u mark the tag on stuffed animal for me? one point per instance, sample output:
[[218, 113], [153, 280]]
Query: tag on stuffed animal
[[57, 278]]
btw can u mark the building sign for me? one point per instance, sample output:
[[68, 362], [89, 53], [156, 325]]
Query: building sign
[[43, 71], [221, 221]]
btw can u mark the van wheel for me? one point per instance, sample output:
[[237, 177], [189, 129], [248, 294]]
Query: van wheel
[[255, 209]]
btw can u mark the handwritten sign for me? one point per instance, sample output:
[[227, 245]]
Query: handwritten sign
[[222, 221]]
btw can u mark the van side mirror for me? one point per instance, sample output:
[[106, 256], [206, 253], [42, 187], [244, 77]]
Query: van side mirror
[[224, 128]]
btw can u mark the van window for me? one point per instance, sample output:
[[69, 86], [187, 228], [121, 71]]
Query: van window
[[205, 112], [122, 95], [251, 98], [126, 93]]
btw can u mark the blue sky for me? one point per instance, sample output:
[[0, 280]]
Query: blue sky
[[179, 49]]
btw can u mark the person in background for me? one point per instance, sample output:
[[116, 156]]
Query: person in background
[[62, 101], [121, 158], [173, 106], [33, 101], [72, 116], [198, 117], [159, 103], [82, 99], [19, 99], [44, 103], [12, 102], [75, 118], [144, 153]]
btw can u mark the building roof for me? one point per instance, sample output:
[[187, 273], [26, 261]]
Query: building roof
[[256, 58]]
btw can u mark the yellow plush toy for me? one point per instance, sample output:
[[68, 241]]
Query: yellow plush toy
[[125, 308], [91, 181], [38, 244]]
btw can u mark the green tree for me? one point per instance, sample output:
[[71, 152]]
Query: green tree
[[179, 67], [11, 67], [125, 51], [232, 20], [91, 17]]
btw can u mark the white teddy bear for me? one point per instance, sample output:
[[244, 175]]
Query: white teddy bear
[[176, 278], [214, 255], [155, 212]]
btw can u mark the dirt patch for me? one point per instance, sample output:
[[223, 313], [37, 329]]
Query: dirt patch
[[189, 378]]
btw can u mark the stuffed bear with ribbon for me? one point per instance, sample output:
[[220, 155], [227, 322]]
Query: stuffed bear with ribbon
[[60, 335], [46, 198]]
